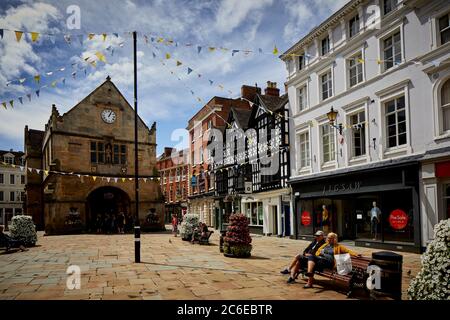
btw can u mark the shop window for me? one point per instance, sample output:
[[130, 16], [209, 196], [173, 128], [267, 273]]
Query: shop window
[[2, 178], [1, 196], [301, 62], [12, 179], [389, 6], [358, 134], [97, 152], [12, 196], [120, 154], [395, 122]]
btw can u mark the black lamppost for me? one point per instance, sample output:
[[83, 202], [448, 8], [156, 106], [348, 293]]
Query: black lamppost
[[332, 115], [137, 225]]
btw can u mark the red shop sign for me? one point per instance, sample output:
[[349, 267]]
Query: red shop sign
[[306, 218], [442, 169], [398, 219]]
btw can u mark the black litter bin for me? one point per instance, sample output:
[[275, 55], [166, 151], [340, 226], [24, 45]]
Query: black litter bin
[[390, 264]]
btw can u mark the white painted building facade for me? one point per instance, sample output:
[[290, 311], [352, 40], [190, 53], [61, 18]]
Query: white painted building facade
[[384, 66], [12, 185]]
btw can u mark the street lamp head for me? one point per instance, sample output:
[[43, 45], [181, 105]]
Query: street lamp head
[[332, 115]]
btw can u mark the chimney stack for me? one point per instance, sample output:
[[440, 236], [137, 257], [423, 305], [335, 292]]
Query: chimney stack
[[249, 92], [168, 151], [272, 89]]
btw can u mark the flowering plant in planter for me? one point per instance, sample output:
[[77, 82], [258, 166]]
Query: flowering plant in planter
[[432, 281], [190, 221], [22, 228], [237, 241]]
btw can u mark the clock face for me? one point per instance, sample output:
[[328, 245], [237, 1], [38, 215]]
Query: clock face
[[108, 116]]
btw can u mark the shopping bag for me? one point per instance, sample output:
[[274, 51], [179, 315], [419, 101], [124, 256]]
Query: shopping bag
[[343, 263]]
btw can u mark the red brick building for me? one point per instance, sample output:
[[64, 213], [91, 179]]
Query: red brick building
[[173, 168], [201, 177]]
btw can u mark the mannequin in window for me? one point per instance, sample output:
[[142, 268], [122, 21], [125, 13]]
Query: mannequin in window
[[375, 215], [325, 219]]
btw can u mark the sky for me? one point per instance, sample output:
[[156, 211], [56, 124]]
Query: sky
[[164, 91]]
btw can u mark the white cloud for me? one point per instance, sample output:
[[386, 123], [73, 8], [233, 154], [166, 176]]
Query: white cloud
[[231, 13], [303, 16], [20, 57]]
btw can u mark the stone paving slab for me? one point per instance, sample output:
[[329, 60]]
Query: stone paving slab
[[172, 269]]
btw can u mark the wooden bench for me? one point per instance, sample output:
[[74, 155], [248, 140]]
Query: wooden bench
[[354, 280]]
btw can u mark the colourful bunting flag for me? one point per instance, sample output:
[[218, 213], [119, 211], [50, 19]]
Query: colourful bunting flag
[[94, 178], [192, 92], [260, 50], [360, 60], [104, 36], [1, 33], [91, 36], [29, 96], [53, 84], [18, 35], [167, 55], [49, 73], [80, 38], [46, 172], [275, 50], [123, 179], [179, 63], [93, 63], [199, 99], [100, 56], [67, 38], [199, 49], [154, 55], [378, 61], [20, 100], [11, 102], [160, 40], [37, 92], [189, 70], [211, 82], [145, 180], [34, 36], [211, 49], [22, 80], [233, 52], [4, 105], [37, 78], [116, 35], [64, 81]]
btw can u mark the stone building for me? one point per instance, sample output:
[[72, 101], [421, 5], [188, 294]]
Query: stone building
[[173, 169], [92, 148], [12, 183]]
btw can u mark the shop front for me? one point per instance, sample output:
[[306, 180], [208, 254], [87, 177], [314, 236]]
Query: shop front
[[375, 207]]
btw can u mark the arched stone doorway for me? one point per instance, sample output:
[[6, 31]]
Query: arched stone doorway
[[105, 203]]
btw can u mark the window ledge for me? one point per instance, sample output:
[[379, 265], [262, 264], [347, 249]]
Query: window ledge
[[305, 170], [442, 136], [396, 151], [357, 160], [329, 165]]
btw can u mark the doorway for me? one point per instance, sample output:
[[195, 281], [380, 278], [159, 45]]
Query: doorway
[[287, 219], [104, 203]]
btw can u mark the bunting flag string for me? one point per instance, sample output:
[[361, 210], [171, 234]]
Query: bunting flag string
[[80, 175], [37, 78], [277, 115]]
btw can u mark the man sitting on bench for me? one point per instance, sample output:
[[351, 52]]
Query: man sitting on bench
[[324, 257], [9, 242], [201, 232], [301, 260]]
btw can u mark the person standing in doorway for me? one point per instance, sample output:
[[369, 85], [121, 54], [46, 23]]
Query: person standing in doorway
[[325, 219]]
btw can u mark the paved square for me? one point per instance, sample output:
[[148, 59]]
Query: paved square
[[171, 269]]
